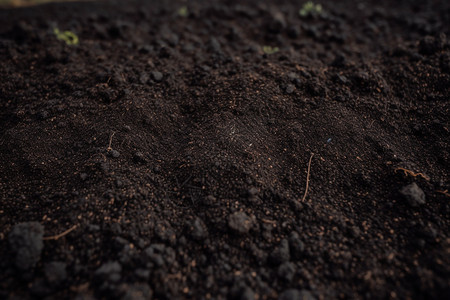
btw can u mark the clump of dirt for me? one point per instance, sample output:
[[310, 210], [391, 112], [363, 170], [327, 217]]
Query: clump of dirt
[[170, 155]]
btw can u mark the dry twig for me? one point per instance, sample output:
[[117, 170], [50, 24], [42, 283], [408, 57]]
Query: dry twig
[[307, 178], [58, 236], [110, 142], [409, 172]]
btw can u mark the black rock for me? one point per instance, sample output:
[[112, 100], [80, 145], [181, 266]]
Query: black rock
[[157, 76], [55, 272], [26, 242], [414, 194], [240, 222], [114, 153]]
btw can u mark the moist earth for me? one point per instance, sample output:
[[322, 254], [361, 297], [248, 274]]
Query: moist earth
[[225, 150]]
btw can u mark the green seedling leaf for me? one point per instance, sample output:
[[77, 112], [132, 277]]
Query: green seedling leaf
[[310, 9], [183, 11], [270, 50], [67, 36]]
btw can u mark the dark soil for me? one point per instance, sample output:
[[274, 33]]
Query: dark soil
[[167, 155]]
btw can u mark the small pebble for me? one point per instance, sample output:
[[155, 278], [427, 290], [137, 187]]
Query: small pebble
[[157, 76], [413, 194], [26, 241], [240, 222], [115, 153], [247, 294], [290, 88], [198, 229]]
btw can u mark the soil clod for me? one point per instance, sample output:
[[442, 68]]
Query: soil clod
[[414, 194], [25, 240], [240, 222]]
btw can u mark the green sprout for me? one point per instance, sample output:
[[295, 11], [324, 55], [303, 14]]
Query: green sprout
[[310, 9], [270, 50], [183, 11], [67, 36]]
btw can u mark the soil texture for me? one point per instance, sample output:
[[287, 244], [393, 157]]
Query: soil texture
[[225, 150]]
